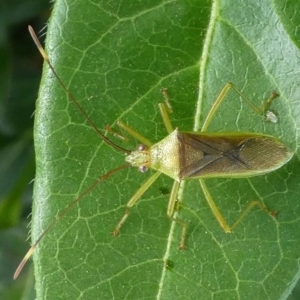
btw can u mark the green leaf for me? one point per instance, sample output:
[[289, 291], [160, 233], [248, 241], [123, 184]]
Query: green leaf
[[115, 56]]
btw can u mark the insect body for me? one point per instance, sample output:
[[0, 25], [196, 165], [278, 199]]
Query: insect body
[[188, 155]]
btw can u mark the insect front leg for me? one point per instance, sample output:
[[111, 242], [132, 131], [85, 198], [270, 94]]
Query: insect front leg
[[218, 215], [134, 199], [135, 134], [165, 94], [116, 134], [165, 109], [258, 110], [138, 136], [145, 186]]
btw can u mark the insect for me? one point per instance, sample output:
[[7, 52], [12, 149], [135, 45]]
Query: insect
[[186, 156]]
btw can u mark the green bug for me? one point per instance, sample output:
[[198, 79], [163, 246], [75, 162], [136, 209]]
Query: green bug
[[188, 155]]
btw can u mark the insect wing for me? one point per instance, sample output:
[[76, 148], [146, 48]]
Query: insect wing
[[229, 155]]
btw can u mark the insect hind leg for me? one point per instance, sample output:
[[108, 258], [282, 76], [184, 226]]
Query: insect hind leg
[[259, 110], [218, 215]]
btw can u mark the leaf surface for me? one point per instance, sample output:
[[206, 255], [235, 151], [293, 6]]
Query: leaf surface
[[115, 56]]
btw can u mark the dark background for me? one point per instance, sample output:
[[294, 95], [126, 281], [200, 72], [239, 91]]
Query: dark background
[[20, 70]]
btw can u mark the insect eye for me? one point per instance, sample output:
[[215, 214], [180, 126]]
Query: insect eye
[[142, 147], [143, 169]]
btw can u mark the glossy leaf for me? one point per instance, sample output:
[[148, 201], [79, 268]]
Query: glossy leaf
[[115, 56]]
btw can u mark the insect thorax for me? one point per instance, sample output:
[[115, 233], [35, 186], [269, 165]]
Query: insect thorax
[[165, 155], [187, 155]]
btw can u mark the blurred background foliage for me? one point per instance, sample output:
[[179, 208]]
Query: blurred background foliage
[[20, 69]]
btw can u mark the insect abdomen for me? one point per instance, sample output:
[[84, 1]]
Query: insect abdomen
[[230, 155]]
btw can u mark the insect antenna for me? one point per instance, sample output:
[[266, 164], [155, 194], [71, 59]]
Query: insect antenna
[[70, 95], [62, 213], [102, 136]]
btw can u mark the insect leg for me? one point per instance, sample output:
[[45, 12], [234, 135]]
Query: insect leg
[[138, 194], [116, 134], [165, 109], [222, 96], [250, 206], [135, 134], [164, 91], [223, 223], [215, 210], [171, 209], [165, 116]]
